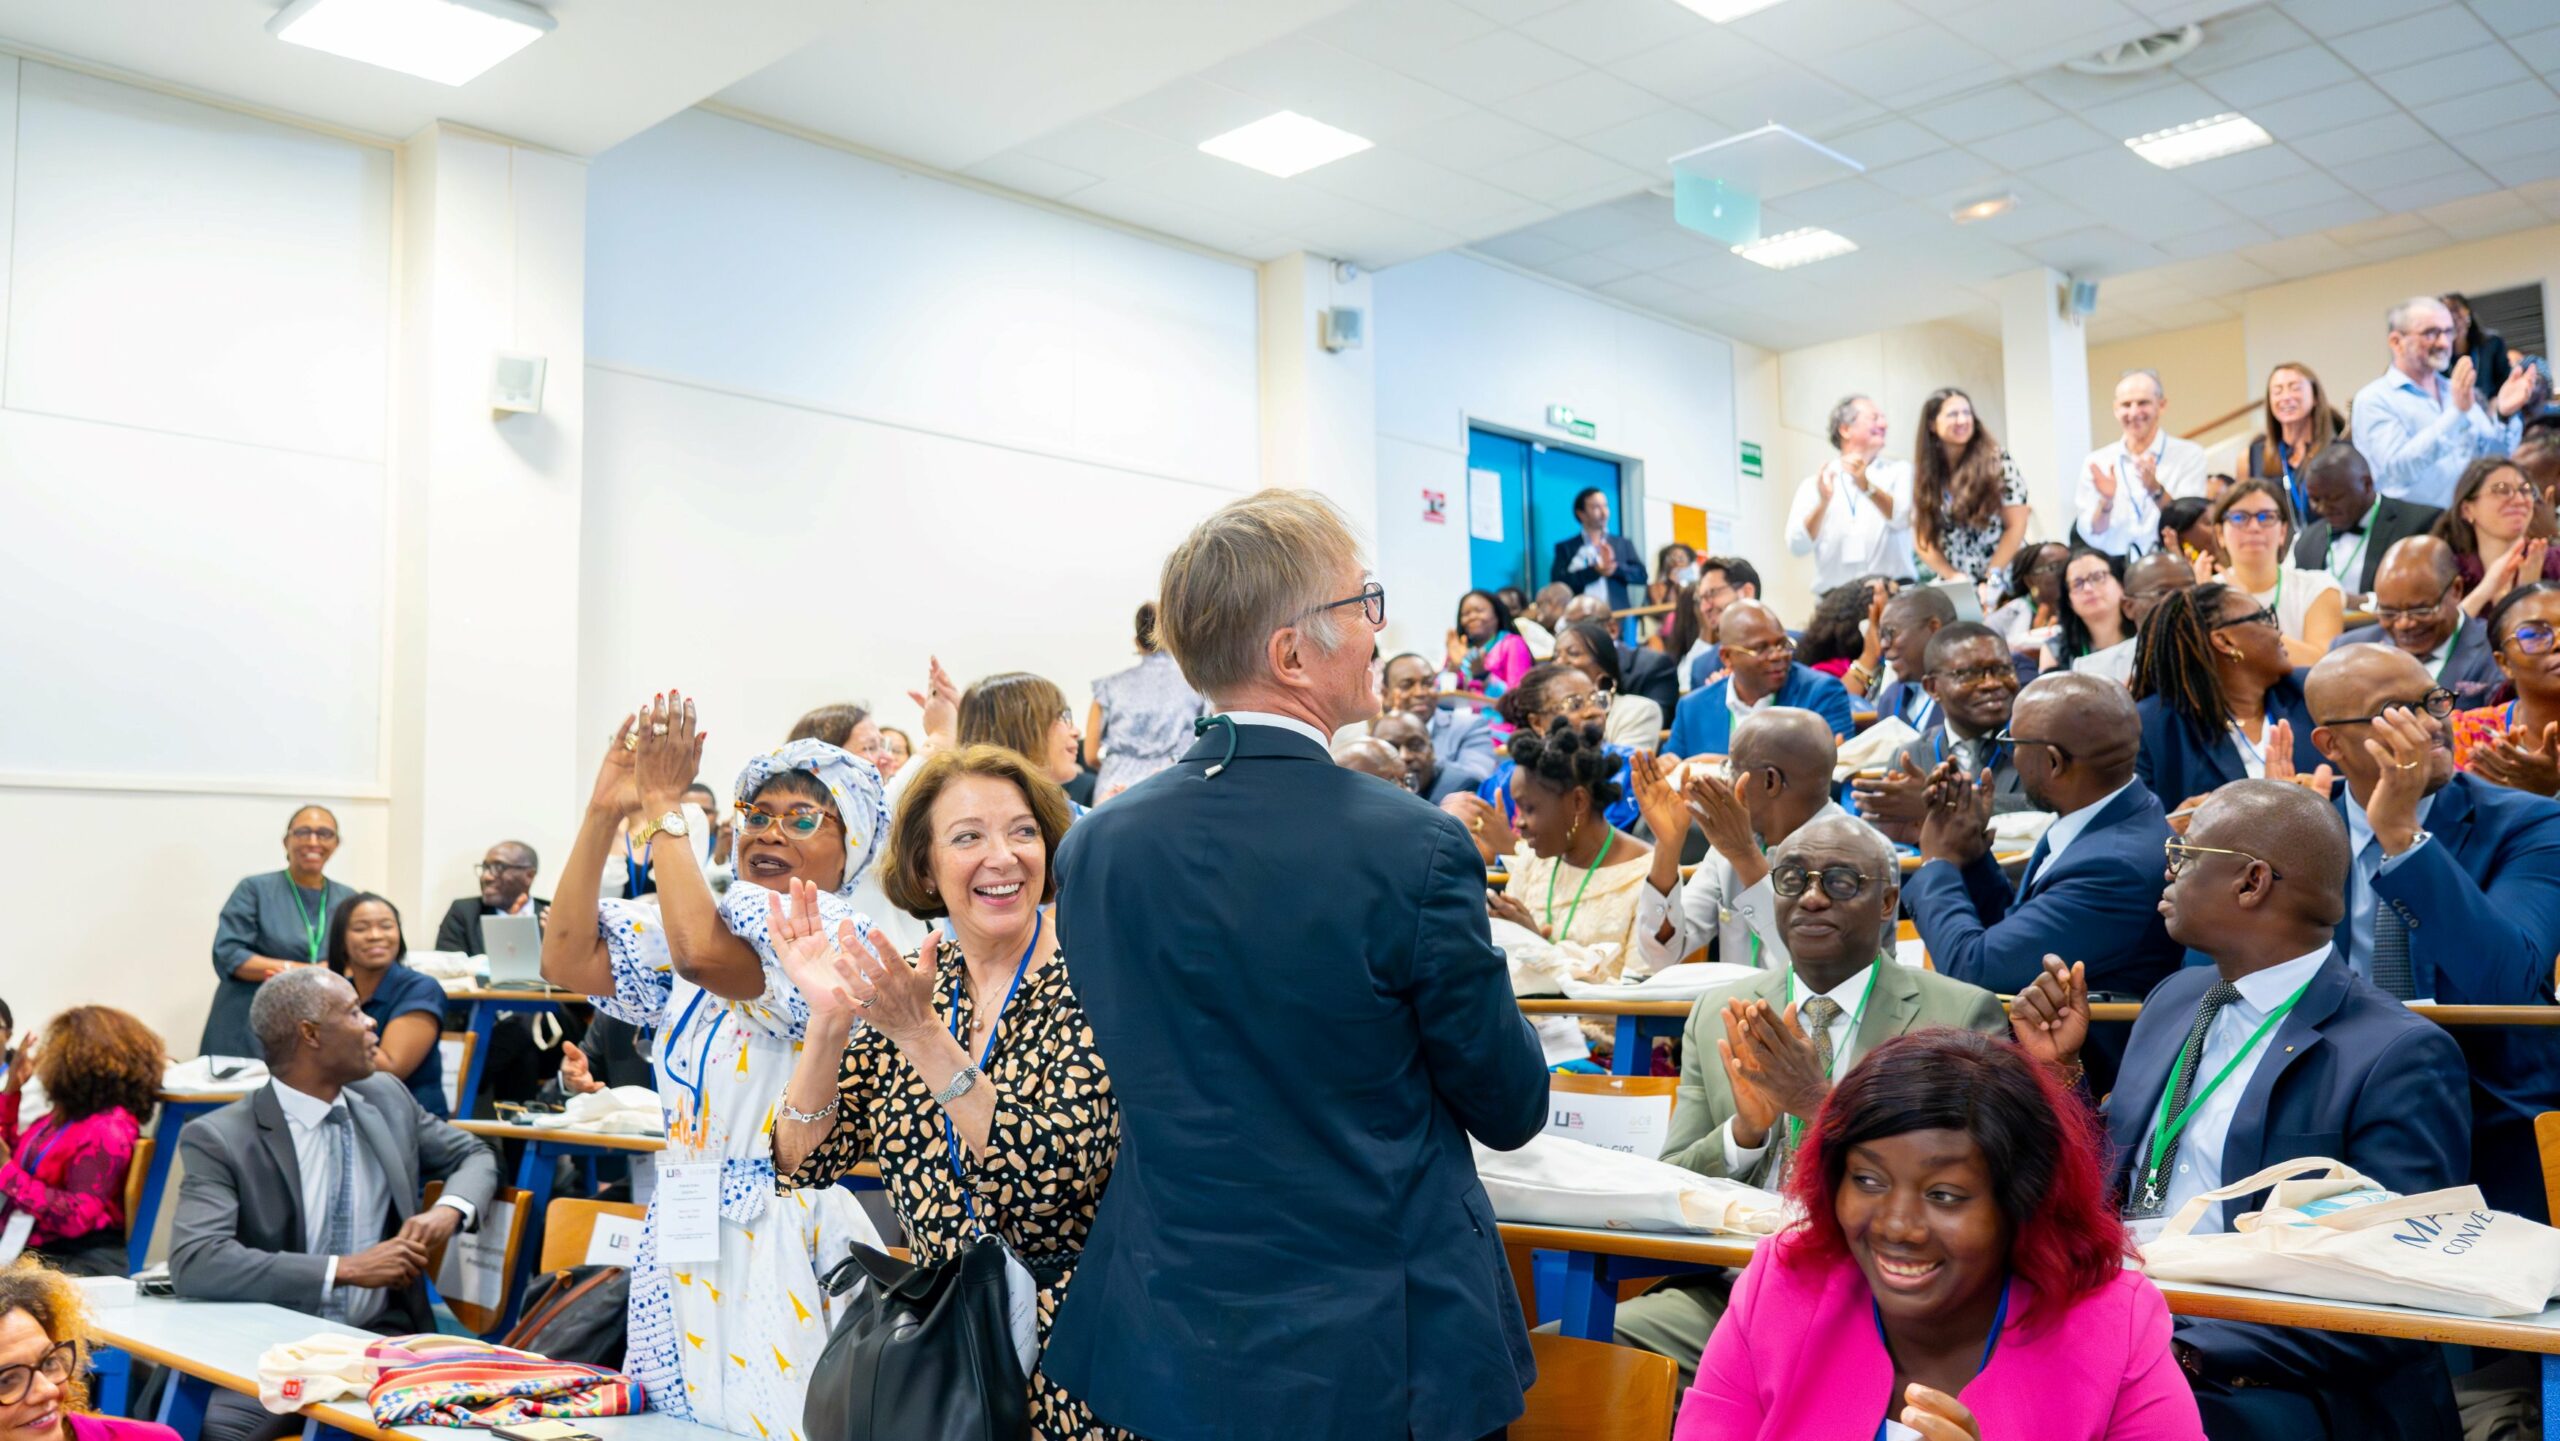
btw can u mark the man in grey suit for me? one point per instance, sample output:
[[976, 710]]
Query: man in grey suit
[[304, 1193], [1757, 1056]]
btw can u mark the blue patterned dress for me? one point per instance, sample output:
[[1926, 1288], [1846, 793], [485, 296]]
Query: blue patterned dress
[[1147, 711]]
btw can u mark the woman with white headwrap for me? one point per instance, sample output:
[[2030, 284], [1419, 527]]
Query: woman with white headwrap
[[726, 1311]]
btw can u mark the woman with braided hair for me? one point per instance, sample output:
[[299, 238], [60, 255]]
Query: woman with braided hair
[[1546, 693], [2219, 700]]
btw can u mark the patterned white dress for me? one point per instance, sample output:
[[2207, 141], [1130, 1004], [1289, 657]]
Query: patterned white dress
[[729, 1345]]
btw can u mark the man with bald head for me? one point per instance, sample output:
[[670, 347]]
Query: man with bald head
[[1911, 618], [1761, 670], [2352, 525], [2417, 599], [2147, 582], [1373, 757], [1790, 1029], [2091, 884], [2454, 896], [1424, 774], [1780, 781], [2271, 1048]]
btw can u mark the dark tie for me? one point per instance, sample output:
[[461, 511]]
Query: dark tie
[[338, 1236], [2035, 862], [1817, 1015], [2391, 950], [2155, 1186]]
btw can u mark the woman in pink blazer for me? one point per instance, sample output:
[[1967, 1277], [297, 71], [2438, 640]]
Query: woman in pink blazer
[[1958, 1273], [43, 1343]]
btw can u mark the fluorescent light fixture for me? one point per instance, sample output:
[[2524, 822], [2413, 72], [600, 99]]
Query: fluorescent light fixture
[[1721, 11], [1985, 208], [1789, 249], [1285, 144], [446, 41], [2210, 139]]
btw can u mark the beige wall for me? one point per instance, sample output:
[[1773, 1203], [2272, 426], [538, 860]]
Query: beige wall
[[2204, 368]]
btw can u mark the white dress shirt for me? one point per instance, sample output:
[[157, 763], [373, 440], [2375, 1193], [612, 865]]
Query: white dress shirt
[[1850, 996], [2133, 522], [2067, 827], [1284, 722], [306, 1117], [2371, 864], [1856, 538], [2199, 1163]]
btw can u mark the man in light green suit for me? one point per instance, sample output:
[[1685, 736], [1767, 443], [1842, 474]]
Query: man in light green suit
[[1757, 1056]]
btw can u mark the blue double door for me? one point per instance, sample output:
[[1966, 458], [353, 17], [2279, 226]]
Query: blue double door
[[1538, 486]]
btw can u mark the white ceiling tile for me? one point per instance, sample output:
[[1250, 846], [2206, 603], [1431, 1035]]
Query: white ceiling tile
[[2541, 50], [1828, 205], [2525, 169], [2077, 93], [2512, 141], [1098, 147], [2217, 243], [2374, 173], [2483, 67], [1646, 290], [1599, 32], [1474, 142], [1671, 245], [2158, 223], [1649, 141], [1566, 171], [2017, 29], [2301, 256], [2040, 144], [2448, 31], [1030, 175], [1587, 270], [1713, 272], [1998, 110], [1187, 111], [1887, 142], [1490, 68], [1790, 97], [2245, 38], [2169, 105], [2311, 187], [2382, 227], [1809, 31], [1272, 248], [2515, 17], [2098, 250], [1334, 86], [1941, 176], [2382, 135], [1415, 189], [2392, 247], [2298, 72], [2323, 110], [1273, 204], [2478, 216], [1389, 31], [2112, 182], [2465, 116], [1525, 247], [1909, 66], [2037, 216], [1700, 65], [2241, 174], [2544, 195], [1510, 12], [1527, 215], [1580, 104], [2340, 17]]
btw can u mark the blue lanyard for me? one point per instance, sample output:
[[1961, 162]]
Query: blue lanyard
[[635, 872], [1990, 1343], [36, 1153], [950, 1134], [702, 1062]]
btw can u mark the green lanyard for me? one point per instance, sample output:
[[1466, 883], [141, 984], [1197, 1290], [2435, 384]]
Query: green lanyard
[[1875, 968], [2362, 536], [1575, 909], [313, 929], [2450, 638], [2165, 1129]]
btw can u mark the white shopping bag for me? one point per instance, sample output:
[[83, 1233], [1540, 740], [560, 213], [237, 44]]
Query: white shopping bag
[[1555, 1182], [2331, 1233]]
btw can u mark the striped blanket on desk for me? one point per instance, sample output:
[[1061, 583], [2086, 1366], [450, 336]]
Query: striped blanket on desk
[[432, 1380]]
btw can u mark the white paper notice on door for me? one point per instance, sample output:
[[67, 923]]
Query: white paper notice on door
[[1484, 504], [1637, 1125]]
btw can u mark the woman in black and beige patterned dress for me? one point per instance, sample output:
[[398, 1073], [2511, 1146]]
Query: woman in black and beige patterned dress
[[966, 1071]]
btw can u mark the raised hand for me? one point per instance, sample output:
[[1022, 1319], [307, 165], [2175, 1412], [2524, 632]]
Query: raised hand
[[2403, 744], [1938, 1416], [800, 943], [1894, 800], [1727, 821], [1457, 650], [1956, 827], [2515, 394], [2517, 760], [2146, 468], [2459, 386], [670, 752], [940, 702], [893, 995], [617, 792], [2102, 477], [1488, 824], [2203, 562], [2050, 1018], [22, 1061], [1777, 1056], [1665, 813], [2280, 766], [1755, 1113]]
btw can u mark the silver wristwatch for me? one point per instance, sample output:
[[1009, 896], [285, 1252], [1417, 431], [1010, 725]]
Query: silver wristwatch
[[961, 1084]]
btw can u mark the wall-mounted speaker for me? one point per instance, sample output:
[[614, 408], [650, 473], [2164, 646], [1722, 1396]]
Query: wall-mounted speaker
[[2080, 299], [515, 384], [1340, 327]]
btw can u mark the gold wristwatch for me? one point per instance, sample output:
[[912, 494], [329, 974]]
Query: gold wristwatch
[[672, 823]]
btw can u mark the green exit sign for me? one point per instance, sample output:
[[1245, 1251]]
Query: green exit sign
[[1561, 417], [1750, 459]]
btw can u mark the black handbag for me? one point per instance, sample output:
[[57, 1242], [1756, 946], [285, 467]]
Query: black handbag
[[920, 1353]]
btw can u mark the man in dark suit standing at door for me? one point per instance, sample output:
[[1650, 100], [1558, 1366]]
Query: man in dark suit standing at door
[[1595, 563], [1287, 970], [2351, 525]]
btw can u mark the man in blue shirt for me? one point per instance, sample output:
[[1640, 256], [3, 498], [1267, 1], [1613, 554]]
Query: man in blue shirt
[[1763, 673], [2418, 427]]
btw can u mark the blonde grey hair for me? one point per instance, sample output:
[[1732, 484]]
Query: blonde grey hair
[[2398, 317], [1255, 566], [1842, 414], [287, 999], [2147, 373]]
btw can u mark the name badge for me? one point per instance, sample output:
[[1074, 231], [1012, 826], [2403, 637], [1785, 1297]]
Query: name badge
[[688, 1202]]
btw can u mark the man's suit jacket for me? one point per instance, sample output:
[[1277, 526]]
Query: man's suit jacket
[[2471, 672], [2394, 522], [1704, 723], [2178, 766], [1649, 673], [1462, 736], [2482, 902], [1628, 576], [1303, 1030], [2349, 1074], [2098, 905], [1702, 670], [1933, 746], [1906, 1000], [240, 1231], [460, 929]]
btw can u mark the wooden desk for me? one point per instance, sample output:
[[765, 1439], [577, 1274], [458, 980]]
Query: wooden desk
[[486, 1006], [177, 1108]]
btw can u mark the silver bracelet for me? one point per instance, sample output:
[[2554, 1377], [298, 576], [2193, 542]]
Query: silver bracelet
[[808, 1117]]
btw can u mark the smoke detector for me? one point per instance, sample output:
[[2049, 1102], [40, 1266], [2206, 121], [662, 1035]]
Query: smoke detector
[[2133, 57]]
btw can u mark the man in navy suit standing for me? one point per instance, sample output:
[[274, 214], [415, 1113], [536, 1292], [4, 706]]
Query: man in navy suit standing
[[2271, 1051], [1596, 563], [2455, 896], [1287, 969], [2092, 885]]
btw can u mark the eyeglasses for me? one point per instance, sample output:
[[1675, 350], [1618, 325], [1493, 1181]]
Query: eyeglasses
[[2049, 567], [2502, 490], [2437, 703], [55, 1365], [2531, 637], [2253, 519], [2181, 855], [2389, 613], [1979, 675], [2260, 616], [2092, 583], [1372, 601], [2013, 741], [311, 833], [1840, 883], [801, 821], [499, 868], [2432, 332], [1774, 650]]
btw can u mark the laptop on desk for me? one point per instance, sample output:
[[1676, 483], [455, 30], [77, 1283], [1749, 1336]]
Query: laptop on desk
[[515, 952]]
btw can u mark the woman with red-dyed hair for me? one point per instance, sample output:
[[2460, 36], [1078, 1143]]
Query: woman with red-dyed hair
[[1958, 1274]]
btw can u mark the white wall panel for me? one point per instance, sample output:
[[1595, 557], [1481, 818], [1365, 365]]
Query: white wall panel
[[183, 268]]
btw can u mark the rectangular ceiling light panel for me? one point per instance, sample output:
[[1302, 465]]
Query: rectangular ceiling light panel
[[2200, 140], [1285, 144], [1789, 249], [446, 41]]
